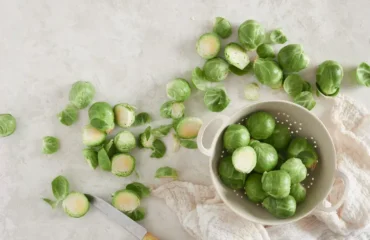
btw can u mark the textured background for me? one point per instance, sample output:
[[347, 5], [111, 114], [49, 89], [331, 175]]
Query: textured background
[[129, 50]]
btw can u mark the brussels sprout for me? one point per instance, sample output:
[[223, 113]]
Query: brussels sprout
[[236, 136], [251, 34], [302, 149], [172, 109], [305, 99], [363, 74], [123, 164], [208, 45], [244, 159], [242, 72], [280, 208], [124, 115], [294, 84], [7, 125], [307, 86], [91, 157], [265, 51], [137, 215], [251, 91], [125, 200], [292, 58], [268, 73], [222, 27], [189, 144], [298, 192], [229, 175], [140, 189], [178, 90], [124, 141], [76, 205], [50, 145], [92, 136], [236, 55], [253, 188], [216, 99], [280, 137], [261, 125], [101, 116], [104, 160], [145, 141], [162, 131], [69, 115], [277, 36], [81, 94], [166, 172], [276, 183], [267, 157], [188, 127], [200, 81], [216, 69], [159, 149], [329, 76], [296, 169]]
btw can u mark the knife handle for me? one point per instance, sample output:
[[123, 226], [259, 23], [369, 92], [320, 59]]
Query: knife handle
[[149, 236]]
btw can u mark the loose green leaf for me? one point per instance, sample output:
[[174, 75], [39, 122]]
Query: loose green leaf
[[176, 142], [110, 148], [147, 132], [191, 144], [277, 36], [50, 145], [91, 157], [166, 172], [137, 215], [52, 203], [305, 99], [172, 109], [161, 131], [140, 189], [239, 72], [200, 81], [363, 74], [252, 91], [178, 90], [159, 149], [216, 99], [60, 187], [104, 161], [222, 27], [69, 115], [141, 119], [307, 86], [7, 125]]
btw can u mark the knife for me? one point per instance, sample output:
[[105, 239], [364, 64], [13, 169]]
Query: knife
[[121, 219]]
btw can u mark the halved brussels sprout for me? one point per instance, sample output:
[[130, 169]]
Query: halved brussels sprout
[[123, 165], [292, 58], [265, 51], [91, 157], [251, 34], [268, 73], [124, 115], [329, 76], [229, 175], [216, 69], [363, 74], [261, 125], [101, 116], [166, 172], [125, 141], [236, 136], [50, 145], [208, 45], [244, 159], [253, 188], [125, 200], [280, 208], [92, 136], [302, 149], [222, 27], [277, 36], [200, 81], [216, 99], [178, 90], [81, 94], [236, 55], [69, 115], [294, 84], [188, 127], [276, 183], [280, 137], [7, 125], [267, 156], [76, 205], [305, 99], [298, 192], [296, 169], [172, 109], [251, 91]]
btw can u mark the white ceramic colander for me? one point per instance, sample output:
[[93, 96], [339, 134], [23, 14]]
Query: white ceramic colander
[[301, 122]]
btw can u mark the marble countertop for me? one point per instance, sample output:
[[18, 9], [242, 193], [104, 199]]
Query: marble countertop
[[129, 50]]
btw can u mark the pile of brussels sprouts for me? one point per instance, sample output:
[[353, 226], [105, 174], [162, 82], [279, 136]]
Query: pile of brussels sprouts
[[263, 158]]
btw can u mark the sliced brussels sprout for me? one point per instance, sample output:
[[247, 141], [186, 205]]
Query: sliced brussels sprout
[[280, 208], [276, 183], [172, 109], [125, 141], [244, 159], [236, 55], [277, 36], [253, 188], [123, 164], [363, 74], [280, 137], [7, 124], [166, 172], [268, 73], [159, 149], [69, 115], [292, 58], [261, 125], [294, 84], [188, 127], [140, 189], [296, 169], [137, 215], [101, 116], [208, 45], [251, 34], [305, 99], [229, 175], [216, 69], [242, 72], [298, 192], [81, 94], [252, 91], [50, 145], [92, 136], [125, 200], [178, 90], [222, 27], [76, 205], [302, 149], [104, 160], [265, 51], [216, 99], [329, 76], [200, 81], [267, 157], [124, 115], [91, 157], [236, 136]]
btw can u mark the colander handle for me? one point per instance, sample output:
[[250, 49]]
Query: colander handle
[[345, 179], [209, 151]]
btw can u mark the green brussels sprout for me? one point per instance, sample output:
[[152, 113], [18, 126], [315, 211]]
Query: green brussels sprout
[[101, 116], [363, 74], [280, 208], [124, 115], [166, 172], [216, 99], [236, 55], [298, 192], [208, 45], [268, 73], [305, 99], [216, 69], [188, 128], [91, 157], [296, 169], [267, 157], [280, 137], [251, 91], [294, 84], [76, 205], [265, 51], [125, 141], [125, 200], [244, 159], [81, 94], [292, 58], [140, 189], [222, 27], [178, 90], [261, 125], [69, 115], [277, 36], [251, 34], [307, 86], [123, 165], [276, 183], [236, 136], [302, 149], [7, 125], [200, 81], [229, 175], [329, 76], [172, 109], [92, 137], [253, 188], [50, 145]]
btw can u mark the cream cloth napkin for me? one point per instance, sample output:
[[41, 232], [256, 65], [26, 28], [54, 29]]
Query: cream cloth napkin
[[204, 216]]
